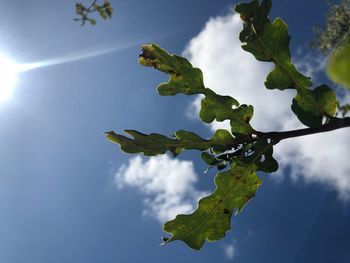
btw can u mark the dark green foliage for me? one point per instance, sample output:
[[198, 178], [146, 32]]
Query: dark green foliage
[[219, 161], [242, 151], [261, 156], [105, 11], [255, 16], [309, 113]]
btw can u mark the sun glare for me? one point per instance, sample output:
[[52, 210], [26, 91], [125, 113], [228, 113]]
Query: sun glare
[[8, 72]]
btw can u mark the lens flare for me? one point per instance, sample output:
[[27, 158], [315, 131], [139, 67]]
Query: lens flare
[[8, 76]]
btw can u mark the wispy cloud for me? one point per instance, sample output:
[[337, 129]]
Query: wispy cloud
[[168, 185], [229, 70], [230, 251], [310, 63]]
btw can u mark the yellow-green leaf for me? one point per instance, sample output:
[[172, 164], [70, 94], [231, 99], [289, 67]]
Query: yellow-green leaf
[[212, 219], [154, 143], [338, 68], [184, 78]]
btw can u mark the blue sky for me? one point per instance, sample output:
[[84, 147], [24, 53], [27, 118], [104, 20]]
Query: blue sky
[[68, 195]]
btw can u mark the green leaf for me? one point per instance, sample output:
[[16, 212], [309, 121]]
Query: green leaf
[[217, 107], [208, 158], [222, 141], [252, 12], [183, 77], [189, 80], [220, 108], [108, 8], [273, 45], [212, 161], [211, 220], [222, 165], [270, 42], [153, 144], [262, 157], [79, 8], [307, 112], [240, 120], [101, 11], [338, 68], [92, 21]]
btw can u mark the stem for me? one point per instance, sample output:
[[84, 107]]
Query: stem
[[91, 6], [333, 124]]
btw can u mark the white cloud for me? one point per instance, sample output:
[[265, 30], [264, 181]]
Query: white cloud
[[167, 185], [310, 63], [229, 70], [230, 251], [319, 158]]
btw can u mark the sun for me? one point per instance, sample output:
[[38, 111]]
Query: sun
[[8, 73]]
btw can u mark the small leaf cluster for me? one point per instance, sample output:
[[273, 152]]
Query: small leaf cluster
[[337, 27], [240, 152], [105, 10]]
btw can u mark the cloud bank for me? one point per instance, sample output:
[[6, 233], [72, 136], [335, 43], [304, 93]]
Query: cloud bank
[[168, 185], [229, 70]]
